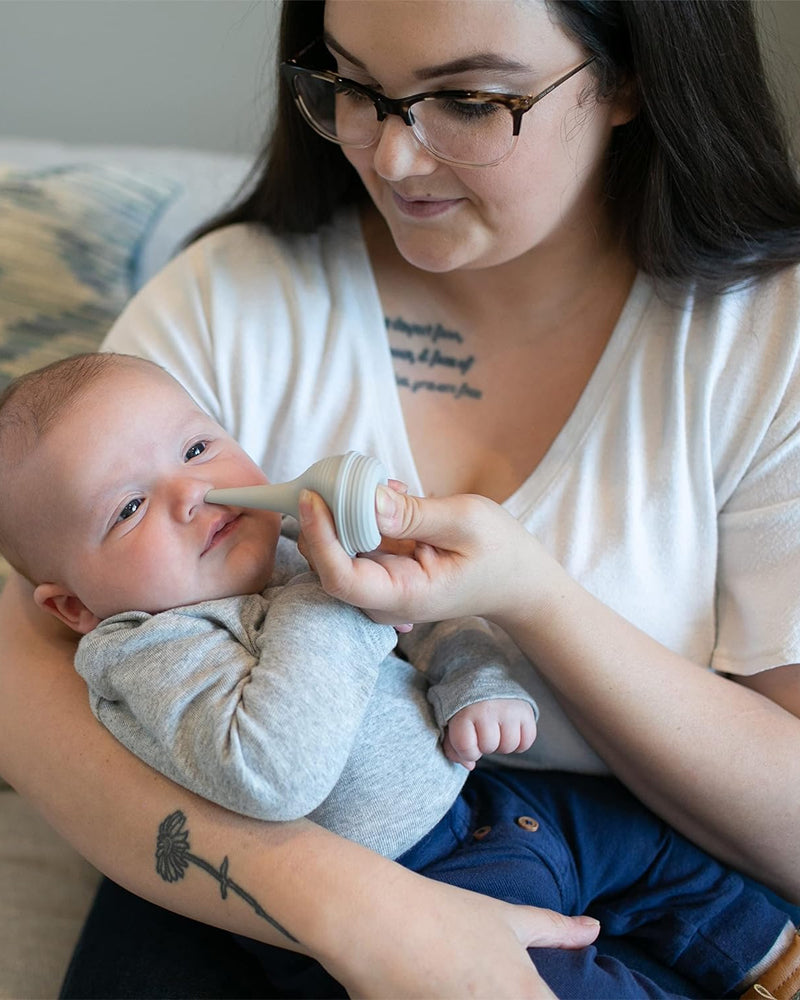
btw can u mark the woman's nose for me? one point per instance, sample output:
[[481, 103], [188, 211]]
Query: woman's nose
[[398, 154]]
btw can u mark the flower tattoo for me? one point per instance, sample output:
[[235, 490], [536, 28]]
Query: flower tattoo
[[173, 857], [172, 848]]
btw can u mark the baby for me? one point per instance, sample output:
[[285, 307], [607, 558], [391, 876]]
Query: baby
[[213, 654], [209, 649]]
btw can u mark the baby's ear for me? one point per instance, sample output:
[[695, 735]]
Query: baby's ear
[[66, 607]]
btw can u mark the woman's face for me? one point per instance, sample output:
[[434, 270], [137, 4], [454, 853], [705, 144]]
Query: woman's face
[[443, 216]]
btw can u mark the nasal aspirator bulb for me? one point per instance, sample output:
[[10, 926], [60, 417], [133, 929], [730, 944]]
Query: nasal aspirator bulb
[[346, 483]]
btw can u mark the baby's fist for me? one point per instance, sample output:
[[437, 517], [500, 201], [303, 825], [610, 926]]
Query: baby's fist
[[502, 725]]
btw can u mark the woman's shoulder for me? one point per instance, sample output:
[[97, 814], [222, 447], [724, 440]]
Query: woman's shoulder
[[755, 327], [250, 248], [777, 291], [759, 319], [247, 272], [774, 298], [734, 362], [725, 367], [236, 315]]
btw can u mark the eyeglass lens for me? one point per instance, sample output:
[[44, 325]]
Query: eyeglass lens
[[464, 131]]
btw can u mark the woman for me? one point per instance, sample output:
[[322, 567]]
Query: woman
[[551, 310]]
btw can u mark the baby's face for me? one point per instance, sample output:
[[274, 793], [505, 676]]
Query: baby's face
[[120, 484]]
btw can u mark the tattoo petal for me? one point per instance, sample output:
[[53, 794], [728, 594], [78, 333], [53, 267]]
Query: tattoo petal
[[172, 847]]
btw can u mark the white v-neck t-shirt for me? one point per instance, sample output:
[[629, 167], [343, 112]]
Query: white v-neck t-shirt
[[672, 493]]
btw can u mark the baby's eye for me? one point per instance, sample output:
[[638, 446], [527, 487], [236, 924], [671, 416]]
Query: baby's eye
[[129, 509], [194, 451]]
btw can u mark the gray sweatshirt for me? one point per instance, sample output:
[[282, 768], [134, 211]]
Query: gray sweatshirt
[[290, 703]]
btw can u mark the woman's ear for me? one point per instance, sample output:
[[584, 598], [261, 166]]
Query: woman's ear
[[66, 607], [626, 103]]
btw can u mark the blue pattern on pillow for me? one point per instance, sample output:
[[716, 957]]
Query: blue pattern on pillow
[[69, 244]]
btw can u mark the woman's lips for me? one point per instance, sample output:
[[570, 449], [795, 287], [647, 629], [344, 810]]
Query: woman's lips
[[424, 208]]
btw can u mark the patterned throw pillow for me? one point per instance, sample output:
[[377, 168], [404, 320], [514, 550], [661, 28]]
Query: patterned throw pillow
[[69, 243]]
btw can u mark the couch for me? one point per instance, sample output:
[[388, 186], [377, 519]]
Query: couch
[[81, 229]]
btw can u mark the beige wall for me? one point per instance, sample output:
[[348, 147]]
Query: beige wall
[[780, 31], [194, 73]]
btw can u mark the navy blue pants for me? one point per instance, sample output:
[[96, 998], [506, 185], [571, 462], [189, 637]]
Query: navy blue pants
[[585, 845], [571, 843]]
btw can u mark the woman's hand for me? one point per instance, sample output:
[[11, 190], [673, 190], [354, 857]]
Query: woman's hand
[[456, 943], [469, 557]]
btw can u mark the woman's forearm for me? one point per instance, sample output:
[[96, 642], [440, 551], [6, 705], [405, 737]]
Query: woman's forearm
[[111, 807], [715, 759], [294, 885]]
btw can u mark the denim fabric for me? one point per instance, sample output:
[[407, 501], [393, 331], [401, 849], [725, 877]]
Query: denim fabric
[[585, 845], [690, 927]]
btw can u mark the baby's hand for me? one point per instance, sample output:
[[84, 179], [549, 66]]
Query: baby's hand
[[503, 725]]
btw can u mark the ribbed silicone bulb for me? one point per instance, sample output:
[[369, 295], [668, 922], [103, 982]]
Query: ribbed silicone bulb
[[346, 483]]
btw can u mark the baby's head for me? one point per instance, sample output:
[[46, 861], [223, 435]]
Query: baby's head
[[105, 461]]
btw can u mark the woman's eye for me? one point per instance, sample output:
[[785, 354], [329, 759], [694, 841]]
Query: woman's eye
[[194, 451], [352, 95], [470, 110], [130, 509]]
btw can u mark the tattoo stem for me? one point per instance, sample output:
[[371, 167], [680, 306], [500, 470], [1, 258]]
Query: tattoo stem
[[173, 857]]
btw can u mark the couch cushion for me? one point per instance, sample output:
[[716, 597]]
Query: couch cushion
[[206, 181], [46, 889]]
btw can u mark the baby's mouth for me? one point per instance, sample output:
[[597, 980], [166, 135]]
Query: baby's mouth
[[220, 529]]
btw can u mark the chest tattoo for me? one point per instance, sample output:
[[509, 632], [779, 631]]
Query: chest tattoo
[[430, 358]]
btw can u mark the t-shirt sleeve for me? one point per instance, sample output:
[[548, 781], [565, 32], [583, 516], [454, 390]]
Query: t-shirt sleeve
[[170, 322], [758, 581]]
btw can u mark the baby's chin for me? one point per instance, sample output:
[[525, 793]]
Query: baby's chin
[[261, 582], [240, 585], [256, 582]]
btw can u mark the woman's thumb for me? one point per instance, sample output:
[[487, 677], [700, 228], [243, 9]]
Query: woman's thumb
[[424, 519], [389, 508], [549, 929]]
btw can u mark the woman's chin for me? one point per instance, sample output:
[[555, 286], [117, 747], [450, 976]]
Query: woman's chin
[[437, 257]]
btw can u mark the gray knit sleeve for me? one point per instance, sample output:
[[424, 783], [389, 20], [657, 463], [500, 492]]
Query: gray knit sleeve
[[252, 702], [466, 660]]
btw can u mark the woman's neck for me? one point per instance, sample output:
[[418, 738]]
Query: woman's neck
[[570, 281], [525, 336]]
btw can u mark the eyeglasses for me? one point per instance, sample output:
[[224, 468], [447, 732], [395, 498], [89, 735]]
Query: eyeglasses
[[474, 128]]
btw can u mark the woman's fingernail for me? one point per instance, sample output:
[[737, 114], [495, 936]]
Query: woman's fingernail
[[385, 501], [304, 505], [587, 921]]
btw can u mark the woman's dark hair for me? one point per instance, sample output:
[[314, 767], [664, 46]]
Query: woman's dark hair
[[701, 182]]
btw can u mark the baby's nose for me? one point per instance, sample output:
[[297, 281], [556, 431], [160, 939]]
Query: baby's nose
[[188, 496]]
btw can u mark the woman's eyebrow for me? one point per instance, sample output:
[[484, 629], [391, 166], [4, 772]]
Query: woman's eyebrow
[[331, 42], [464, 64]]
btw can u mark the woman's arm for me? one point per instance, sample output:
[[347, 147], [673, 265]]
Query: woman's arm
[[714, 758], [115, 811], [717, 760]]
